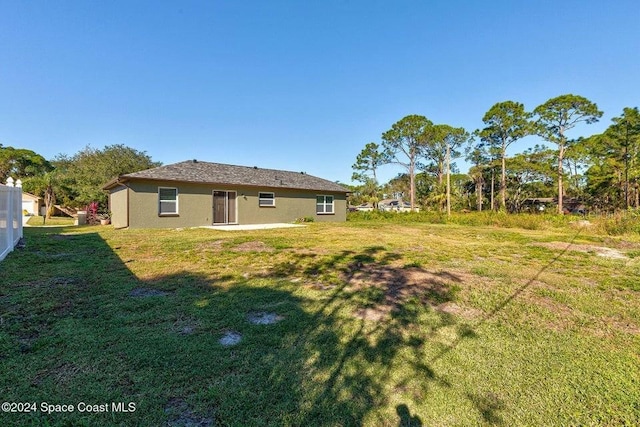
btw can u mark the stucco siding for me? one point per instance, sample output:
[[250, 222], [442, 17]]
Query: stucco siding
[[195, 205], [289, 206], [118, 201]]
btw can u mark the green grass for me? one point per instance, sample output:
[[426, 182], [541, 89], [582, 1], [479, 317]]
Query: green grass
[[383, 323], [62, 221]]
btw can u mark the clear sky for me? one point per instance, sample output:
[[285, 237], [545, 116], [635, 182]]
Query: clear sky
[[297, 85]]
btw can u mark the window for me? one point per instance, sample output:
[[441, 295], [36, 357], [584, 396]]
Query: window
[[324, 204], [167, 201], [266, 200]]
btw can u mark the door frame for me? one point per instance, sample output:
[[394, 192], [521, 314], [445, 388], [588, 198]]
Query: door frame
[[226, 204]]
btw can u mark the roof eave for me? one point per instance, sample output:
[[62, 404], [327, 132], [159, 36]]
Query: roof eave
[[123, 179], [115, 182]]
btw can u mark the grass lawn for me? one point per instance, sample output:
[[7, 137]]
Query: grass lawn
[[63, 221], [375, 324]]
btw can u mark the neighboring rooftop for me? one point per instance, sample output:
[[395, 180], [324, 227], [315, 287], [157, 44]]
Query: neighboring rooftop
[[196, 171]]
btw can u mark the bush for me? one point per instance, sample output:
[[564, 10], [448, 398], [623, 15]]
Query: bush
[[617, 224], [305, 219]]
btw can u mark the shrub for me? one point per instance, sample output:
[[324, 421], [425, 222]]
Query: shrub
[[304, 219], [92, 213], [617, 224]]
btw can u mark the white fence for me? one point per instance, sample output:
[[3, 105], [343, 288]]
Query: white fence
[[10, 216]]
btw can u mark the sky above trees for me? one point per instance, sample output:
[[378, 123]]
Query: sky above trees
[[297, 85]]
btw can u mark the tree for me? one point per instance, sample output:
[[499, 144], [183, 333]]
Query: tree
[[556, 117], [576, 160], [530, 175], [369, 160], [447, 139], [21, 163], [397, 186], [626, 132], [614, 172], [404, 144], [83, 175], [506, 122], [478, 155]]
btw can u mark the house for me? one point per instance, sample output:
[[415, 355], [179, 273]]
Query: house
[[365, 207], [31, 204], [195, 193], [396, 205], [541, 204]]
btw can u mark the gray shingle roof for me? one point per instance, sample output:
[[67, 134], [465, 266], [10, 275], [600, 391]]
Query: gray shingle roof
[[217, 173]]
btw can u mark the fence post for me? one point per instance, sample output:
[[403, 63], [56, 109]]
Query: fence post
[[18, 209], [9, 243]]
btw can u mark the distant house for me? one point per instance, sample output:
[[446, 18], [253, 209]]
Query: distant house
[[365, 207], [32, 204], [396, 205], [195, 193], [541, 204]]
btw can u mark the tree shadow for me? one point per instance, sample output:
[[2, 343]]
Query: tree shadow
[[378, 307], [84, 327], [406, 419], [489, 405]]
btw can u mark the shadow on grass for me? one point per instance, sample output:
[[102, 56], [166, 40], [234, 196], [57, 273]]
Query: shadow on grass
[[77, 325]]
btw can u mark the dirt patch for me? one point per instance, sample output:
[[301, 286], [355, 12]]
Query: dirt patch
[[180, 415], [216, 245], [230, 338], [255, 246], [598, 250], [456, 310], [581, 223], [263, 318], [622, 325], [147, 292], [310, 252], [373, 314], [320, 286], [185, 326], [392, 286], [621, 244]]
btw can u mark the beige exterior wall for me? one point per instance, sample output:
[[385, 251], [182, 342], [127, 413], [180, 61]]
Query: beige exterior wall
[[118, 204], [30, 204], [195, 205]]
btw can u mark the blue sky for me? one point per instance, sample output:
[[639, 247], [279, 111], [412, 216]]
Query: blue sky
[[296, 85]]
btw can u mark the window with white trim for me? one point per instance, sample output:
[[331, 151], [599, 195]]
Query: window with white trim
[[266, 200], [167, 201], [324, 205]]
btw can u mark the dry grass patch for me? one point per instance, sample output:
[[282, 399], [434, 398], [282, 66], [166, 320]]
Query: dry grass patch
[[254, 246], [214, 246], [466, 313], [576, 247]]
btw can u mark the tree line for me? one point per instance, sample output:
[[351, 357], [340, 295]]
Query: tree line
[[601, 171], [72, 181]]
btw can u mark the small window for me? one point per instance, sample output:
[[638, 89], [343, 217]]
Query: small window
[[324, 205], [266, 200], [167, 201]]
